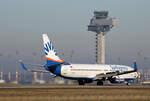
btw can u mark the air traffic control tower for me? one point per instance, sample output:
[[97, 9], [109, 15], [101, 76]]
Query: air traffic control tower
[[101, 24]]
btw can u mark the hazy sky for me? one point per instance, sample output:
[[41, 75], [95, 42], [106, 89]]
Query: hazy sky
[[23, 21]]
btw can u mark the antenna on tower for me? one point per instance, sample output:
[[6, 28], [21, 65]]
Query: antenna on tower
[[101, 24]]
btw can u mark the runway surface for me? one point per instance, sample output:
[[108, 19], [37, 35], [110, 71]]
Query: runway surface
[[75, 87], [52, 92], [75, 93]]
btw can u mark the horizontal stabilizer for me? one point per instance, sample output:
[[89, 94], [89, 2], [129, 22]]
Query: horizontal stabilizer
[[37, 65], [31, 70]]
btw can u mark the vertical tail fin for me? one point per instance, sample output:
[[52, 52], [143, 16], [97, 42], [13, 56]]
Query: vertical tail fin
[[50, 53]]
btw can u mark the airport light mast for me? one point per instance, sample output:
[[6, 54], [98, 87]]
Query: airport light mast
[[101, 24]]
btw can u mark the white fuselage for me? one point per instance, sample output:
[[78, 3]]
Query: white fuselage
[[91, 70]]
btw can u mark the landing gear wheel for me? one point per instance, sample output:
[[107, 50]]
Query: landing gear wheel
[[99, 82], [128, 84], [81, 82]]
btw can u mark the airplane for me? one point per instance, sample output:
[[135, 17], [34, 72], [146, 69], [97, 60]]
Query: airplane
[[83, 73]]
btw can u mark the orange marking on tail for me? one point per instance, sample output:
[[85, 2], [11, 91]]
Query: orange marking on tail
[[60, 61]]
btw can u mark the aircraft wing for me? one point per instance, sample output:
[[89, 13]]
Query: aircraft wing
[[131, 71], [126, 72], [111, 74], [107, 75], [115, 73]]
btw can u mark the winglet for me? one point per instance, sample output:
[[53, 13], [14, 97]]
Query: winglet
[[135, 65], [134, 60], [22, 64]]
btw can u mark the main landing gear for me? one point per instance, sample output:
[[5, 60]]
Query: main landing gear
[[100, 83], [128, 84], [82, 82]]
